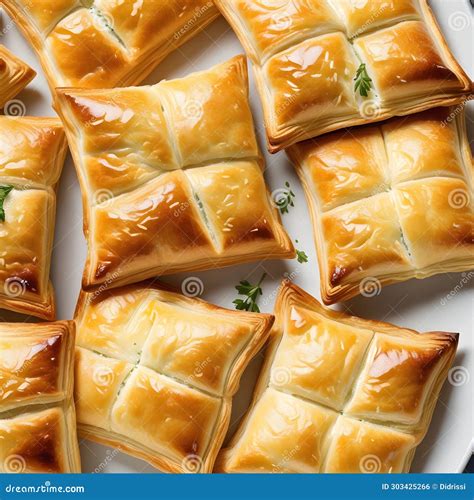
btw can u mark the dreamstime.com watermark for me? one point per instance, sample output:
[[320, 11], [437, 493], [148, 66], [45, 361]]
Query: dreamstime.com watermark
[[109, 457], [465, 279], [198, 13], [458, 110], [111, 278], [46, 487]]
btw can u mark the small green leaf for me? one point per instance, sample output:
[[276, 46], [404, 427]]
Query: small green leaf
[[4, 191], [363, 81], [301, 256], [251, 294], [240, 304]]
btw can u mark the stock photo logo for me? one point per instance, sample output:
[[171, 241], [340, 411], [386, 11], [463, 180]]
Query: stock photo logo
[[14, 464], [192, 464], [370, 109], [193, 110], [14, 107], [459, 376], [14, 287], [460, 21], [281, 21], [192, 287], [283, 198], [102, 197], [459, 199], [103, 376], [280, 376], [370, 464], [370, 287]]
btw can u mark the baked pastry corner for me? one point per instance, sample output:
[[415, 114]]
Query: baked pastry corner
[[171, 177], [37, 415], [106, 43], [15, 75], [338, 394], [310, 57], [389, 203], [32, 153], [156, 372]]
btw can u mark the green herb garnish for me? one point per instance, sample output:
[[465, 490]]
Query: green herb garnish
[[4, 191], [286, 199], [251, 292], [301, 256], [363, 81]]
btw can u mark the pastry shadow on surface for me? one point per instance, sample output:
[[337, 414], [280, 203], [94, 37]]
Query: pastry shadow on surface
[[176, 64], [99, 459], [409, 295], [29, 97], [212, 281], [440, 424], [7, 316], [470, 124], [244, 395]]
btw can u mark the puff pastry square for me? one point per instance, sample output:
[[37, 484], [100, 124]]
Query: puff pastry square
[[391, 202], [171, 177], [156, 372], [32, 153], [15, 75], [37, 416], [306, 54], [339, 393], [107, 43]]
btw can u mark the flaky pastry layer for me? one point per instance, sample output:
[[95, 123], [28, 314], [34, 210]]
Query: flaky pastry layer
[[156, 372], [306, 54], [15, 75], [32, 153], [37, 415], [170, 182], [390, 203], [105, 43], [338, 394]]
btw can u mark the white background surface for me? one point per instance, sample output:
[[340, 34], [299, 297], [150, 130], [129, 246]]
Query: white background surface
[[414, 304]]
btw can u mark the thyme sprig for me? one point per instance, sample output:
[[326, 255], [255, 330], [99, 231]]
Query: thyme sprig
[[363, 82], [251, 293]]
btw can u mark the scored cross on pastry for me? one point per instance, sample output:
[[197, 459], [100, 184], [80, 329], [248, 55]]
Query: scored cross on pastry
[[32, 153], [390, 203], [171, 177], [339, 394], [326, 64], [156, 372], [15, 75], [37, 416], [106, 43]]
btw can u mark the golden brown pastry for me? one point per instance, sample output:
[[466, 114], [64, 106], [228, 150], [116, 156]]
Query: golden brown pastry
[[37, 416], [32, 153], [156, 372], [338, 393], [15, 75], [390, 203], [307, 55], [107, 43], [171, 177]]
